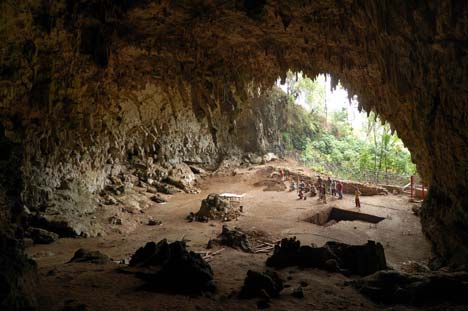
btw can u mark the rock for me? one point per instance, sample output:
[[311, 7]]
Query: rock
[[110, 200], [18, 276], [165, 188], [269, 157], [41, 236], [114, 220], [215, 207], [158, 199], [256, 284], [414, 267], [416, 209], [253, 158], [348, 259], [425, 289], [131, 205], [85, 255], [153, 222], [298, 293], [234, 238], [172, 268], [194, 217], [64, 226], [197, 170], [182, 177]]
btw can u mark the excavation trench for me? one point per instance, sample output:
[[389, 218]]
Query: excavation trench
[[333, 215]]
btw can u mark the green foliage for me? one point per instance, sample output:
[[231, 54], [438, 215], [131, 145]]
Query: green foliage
[[298, 126], [334, 147]]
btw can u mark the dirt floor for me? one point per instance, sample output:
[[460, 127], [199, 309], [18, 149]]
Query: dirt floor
[[279, 213]]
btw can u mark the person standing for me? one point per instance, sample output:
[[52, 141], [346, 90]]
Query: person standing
[[333, 188], [329, 182], [357, 195], [324, 194], [339, 188]]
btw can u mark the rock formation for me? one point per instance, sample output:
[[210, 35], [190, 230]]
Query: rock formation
[[87, 86]]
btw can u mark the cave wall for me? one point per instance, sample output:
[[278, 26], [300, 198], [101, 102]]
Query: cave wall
[[71, 70]]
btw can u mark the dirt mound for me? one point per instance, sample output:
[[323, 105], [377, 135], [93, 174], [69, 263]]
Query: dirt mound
[[215, 207], [333, 256], [172, 268], [271, 185], [349, 186]]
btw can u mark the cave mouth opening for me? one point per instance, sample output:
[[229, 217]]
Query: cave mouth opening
[[330, 131]]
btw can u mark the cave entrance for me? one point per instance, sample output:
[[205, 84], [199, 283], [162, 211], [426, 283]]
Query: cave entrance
[[327, 131]]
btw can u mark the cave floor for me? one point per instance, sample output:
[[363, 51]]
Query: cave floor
[[279, 214]]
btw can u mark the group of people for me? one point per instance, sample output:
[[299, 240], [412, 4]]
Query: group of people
[[330, 186], [303, 188], [323, 188]]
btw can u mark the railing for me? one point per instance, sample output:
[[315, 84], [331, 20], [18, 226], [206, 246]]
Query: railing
[[370, 176]]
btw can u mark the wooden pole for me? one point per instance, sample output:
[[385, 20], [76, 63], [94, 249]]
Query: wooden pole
[[412, 185]]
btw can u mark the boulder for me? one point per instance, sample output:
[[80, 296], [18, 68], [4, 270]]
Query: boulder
[[215, 207], [198, 170], [18, 276], [182, 177], [165, 188], [234, 238], [158, 199], [85, 255], [41, 236], [424, 289], [172, 268], [348, 259], [258, 284]]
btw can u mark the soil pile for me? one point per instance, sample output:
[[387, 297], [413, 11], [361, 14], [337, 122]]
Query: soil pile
[[215, 207]]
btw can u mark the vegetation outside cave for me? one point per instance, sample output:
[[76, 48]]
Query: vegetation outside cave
[[335, 138]]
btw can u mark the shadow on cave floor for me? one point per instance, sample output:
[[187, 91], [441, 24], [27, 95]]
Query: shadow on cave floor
[[100, 287]]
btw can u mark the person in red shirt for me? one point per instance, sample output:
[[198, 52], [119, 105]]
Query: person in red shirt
[[339, 188]]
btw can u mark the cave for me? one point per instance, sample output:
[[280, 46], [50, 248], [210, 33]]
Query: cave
[[92, 89]]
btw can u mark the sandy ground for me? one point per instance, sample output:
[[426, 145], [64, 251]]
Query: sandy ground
[[280, 214]]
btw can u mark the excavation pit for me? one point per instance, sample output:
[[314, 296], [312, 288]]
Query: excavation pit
[[333, 215]]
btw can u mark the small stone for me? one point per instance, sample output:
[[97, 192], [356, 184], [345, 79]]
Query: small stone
[[304, 284], [114, 220], [298, 293], [331, 265], [158, 199], [153, 222]]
